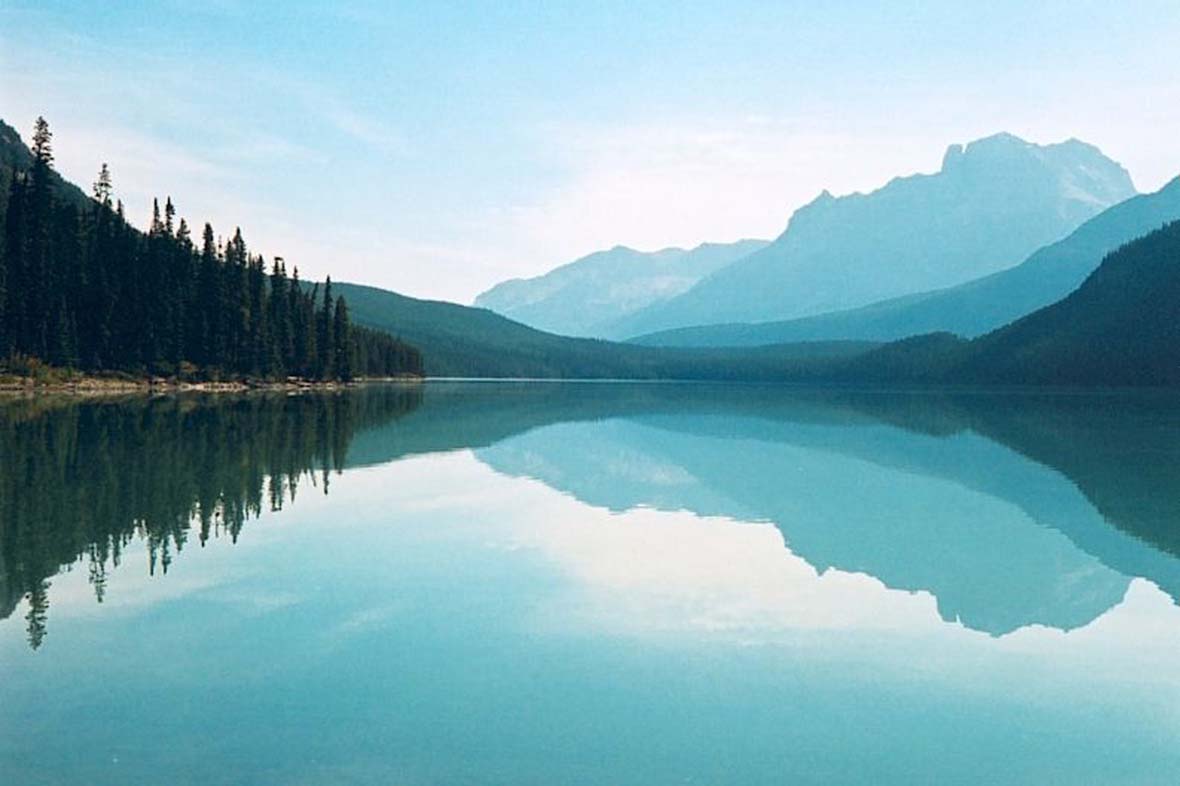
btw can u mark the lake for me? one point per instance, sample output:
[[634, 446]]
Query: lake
[[543, 583]]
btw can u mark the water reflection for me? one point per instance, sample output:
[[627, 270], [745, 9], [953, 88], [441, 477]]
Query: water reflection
[[1009, 509], [618, 583], [80, 480], [1001, 506]]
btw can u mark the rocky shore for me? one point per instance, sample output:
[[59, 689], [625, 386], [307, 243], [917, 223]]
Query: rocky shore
[[90, 385]]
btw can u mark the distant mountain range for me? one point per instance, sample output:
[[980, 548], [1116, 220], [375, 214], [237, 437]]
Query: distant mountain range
[[969, 309], [589, 297], [992, 204]]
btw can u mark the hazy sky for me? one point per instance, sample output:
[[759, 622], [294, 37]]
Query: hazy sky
[[436, 148]]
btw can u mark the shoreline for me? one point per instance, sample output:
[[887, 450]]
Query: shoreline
[[90, 386]]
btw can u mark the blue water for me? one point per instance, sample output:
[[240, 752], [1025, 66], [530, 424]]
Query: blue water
[[598, 584]]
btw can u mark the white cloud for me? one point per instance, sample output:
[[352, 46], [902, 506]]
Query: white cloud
[[373, 133]]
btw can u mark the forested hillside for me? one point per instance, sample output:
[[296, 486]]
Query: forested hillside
[[81, 288], [1121, 327], [460, 341]]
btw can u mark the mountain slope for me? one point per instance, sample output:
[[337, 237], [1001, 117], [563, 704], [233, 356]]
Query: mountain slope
[[1121, 327], [990, 206], [15, 157], [462, 341], [970, 309], [588, 296]]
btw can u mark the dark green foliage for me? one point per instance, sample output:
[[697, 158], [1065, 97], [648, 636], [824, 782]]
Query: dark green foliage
[[342, 341], [1120, 328], [80, 480], [209, 333], [459, 341], [81, 288], [325, 328], [280, 347], [3, 301], [916, 359], [299, 306]]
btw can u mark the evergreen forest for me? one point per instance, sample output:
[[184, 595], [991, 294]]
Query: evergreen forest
[[81, 288]]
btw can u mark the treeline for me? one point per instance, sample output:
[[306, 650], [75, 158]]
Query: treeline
[[81, 288], [81, 481]]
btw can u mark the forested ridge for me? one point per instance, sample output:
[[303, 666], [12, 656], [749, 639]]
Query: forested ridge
[[1121, 327], [81, 288]]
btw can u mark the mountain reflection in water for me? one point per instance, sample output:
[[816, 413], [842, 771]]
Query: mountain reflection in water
[[1011, 509]]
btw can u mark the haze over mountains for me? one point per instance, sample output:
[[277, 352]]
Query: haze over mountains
[[588, 297], [969, 309], [993, 202]]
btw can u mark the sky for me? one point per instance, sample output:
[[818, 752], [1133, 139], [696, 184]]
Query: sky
[[437, 148]]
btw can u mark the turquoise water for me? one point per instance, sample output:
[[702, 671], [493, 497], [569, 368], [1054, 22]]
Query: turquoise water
[[591, 584]]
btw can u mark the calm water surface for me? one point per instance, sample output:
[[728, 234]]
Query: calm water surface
[[591, 584]]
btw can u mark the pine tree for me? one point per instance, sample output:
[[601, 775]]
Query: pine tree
[[153, 303], [342, 337], [258, 339], [210, 346], [237, 305], [102, 186], [302, 330], [64, 280], [311, 331], [3, 302], [324, 341], [186, 317], [278, 318], [38, 253], [98, 294], [38, 613], [11, 302]]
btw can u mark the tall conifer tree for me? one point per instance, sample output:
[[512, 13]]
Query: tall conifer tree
[[324, 342], [342, 341]]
